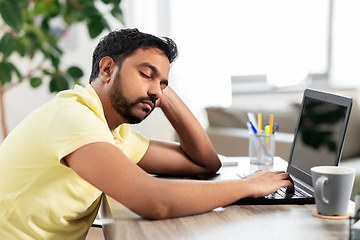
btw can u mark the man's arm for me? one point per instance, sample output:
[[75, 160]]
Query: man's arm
[[195, 153], [107, 168]]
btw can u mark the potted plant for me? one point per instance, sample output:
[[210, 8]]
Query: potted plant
[[26, 31]]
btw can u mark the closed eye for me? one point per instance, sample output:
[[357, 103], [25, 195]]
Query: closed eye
[[164, 83], [144, 75]]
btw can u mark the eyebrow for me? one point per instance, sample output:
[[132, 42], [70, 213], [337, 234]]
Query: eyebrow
[[153, 68]]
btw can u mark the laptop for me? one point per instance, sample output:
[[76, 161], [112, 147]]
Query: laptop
[[318, 141]]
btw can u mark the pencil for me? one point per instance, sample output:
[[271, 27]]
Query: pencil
[[271, 123], [259, 123]]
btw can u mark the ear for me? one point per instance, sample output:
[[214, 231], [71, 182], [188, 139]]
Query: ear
[[106, 65]]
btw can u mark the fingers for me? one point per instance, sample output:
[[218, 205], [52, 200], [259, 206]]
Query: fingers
[[289, 182], [285, 176], [270, 181], [291, 187]]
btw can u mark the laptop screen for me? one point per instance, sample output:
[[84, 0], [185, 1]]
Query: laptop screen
[[319, 136]]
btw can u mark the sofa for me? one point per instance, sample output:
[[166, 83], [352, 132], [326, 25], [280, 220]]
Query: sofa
[[228, 131]]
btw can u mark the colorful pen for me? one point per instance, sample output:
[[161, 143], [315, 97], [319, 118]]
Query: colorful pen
[[253, 127], [267, 130], [271, 123], [259, 123]]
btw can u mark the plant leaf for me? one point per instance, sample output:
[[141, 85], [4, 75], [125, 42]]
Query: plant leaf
[[6, 45], [106, 1], [58, 84], [91, 12], [75, 72], [48, 8], [31, 35], [35, 82], [116, 2], [41, 8], [13, 68], [5, 73], [10, 12], [117, 13], [20, 47], [45, 25], [55, 61], [46, 72], [95, 27]]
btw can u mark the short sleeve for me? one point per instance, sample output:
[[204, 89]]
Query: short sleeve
[[133, 144], [72, 126]]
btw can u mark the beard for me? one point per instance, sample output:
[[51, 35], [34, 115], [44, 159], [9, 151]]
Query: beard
[[124, 107]]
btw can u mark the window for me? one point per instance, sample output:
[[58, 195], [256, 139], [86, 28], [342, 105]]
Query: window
[[282, 40]]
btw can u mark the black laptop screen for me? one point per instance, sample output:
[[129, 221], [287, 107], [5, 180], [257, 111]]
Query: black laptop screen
[[320, 133]]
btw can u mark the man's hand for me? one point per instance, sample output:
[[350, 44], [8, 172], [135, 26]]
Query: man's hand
[[164, 92], [195, 154], [266, 183]]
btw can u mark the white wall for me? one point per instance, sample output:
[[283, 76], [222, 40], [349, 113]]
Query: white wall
[[346, 58]]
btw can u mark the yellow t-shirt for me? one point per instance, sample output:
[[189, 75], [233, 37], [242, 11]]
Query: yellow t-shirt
[[40, 198]]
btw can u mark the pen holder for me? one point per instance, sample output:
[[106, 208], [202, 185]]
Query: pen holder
[[262, 149]]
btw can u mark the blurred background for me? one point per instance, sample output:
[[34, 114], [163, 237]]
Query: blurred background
[[225, 47]]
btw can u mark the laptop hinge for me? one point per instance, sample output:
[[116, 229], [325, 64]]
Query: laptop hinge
[[303, 184]]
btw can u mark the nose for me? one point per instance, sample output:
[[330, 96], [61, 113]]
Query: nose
[[155, 91]]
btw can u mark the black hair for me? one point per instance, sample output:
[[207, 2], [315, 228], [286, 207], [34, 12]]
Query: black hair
[[121, 43]]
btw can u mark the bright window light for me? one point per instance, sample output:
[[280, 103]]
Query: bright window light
[[284, 40]]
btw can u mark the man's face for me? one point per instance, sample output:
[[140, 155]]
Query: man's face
[[139, 84]]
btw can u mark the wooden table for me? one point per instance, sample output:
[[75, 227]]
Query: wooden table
[[232, 222]]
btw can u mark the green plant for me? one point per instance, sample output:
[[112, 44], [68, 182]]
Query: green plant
[[26, 31]]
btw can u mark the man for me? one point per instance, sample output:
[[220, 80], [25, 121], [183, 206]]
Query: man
[[57, 162]]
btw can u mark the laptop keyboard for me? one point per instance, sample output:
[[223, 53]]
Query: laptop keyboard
[[282, 192]]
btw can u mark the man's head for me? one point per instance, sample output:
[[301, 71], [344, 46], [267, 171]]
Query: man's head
[[138, 84], [121, 43], [130, 72]]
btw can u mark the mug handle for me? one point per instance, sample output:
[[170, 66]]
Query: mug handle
[[319, 189]]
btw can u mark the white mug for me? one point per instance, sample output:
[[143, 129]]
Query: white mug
[[332, 187]]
